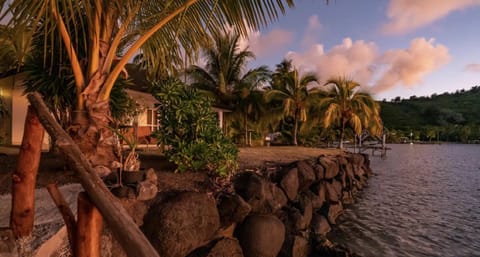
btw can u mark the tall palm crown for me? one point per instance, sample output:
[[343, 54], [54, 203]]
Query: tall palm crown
[[294, 93], [225, 68], [345, 105]]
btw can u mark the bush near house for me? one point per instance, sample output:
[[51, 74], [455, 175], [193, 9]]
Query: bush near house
[[189, 127]]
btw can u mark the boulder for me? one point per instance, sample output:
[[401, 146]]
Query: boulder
[[232, 209], [294, 246], [334, 211], [290, 184], [151, 176], [331, 193], [320, 225], [181, 223], [330, 165], [317, 195], [306, 175], [226, 247], [319, 171], [300, 247], [146, 190], [263, 196], [261, 236]]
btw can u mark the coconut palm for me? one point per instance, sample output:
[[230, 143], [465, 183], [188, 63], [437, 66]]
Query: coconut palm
[[225, 65], [248, 95], [295, 94], [117, 30], [345, 105], [225, 79]]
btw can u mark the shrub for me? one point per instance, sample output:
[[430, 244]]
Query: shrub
[[189, 127]]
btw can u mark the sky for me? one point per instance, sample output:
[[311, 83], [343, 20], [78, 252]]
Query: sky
[[392, 47]]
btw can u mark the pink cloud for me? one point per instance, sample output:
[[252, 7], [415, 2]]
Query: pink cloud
[[362, 61], [407, 15], [351, 59], [268, 44], [473, 67], [408, 66]]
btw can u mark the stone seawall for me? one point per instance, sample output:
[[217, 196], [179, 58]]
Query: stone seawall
[[284, 210]]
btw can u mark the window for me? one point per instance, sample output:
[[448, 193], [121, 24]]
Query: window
[[152, 121]]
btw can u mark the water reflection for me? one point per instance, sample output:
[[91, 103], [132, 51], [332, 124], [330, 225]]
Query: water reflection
[[423, 201]]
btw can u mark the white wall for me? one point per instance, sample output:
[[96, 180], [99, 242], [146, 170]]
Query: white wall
[[19, 113]]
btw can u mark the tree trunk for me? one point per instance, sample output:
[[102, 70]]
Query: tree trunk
[[24, 177], [342, 132], [245, 126], [89, 228], [295, 127], [66, 213]]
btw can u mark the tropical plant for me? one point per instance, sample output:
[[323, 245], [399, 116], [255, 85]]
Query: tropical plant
[[295, 94], [189, 127], [344, 105], [15, 46], [116, 31]]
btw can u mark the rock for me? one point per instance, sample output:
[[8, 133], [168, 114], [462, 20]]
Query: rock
[[319, 171], [263, 196], [276, 198], [232, 209], [146, 190], [330, 165], [294, 246], [306, 209], [347, 197], [331, 192], [7, 243], [226, 247], [181, 223], [319, 191], [261, 236], [300, 247], [334, 211], [320, 225], [289, 183], [151, 176], [306, 175]]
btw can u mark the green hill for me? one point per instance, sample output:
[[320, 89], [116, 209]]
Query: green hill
[[448, 117]]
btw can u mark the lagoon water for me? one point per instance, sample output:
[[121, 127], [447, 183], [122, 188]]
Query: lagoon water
[[424, 200]]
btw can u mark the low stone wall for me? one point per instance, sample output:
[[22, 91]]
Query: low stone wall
[[275, 211]]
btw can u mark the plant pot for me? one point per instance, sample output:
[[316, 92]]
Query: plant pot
[[132, 177]]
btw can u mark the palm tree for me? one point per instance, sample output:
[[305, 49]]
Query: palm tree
[[117, 30], [224, 78], [225, 63], [249, 96], [294, 93], [345, 105]]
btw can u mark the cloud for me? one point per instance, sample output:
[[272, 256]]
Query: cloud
[[268, 44], [473, 67], [362, 61], [351, 59], [313, 30], [407, 15], [409, 66]]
